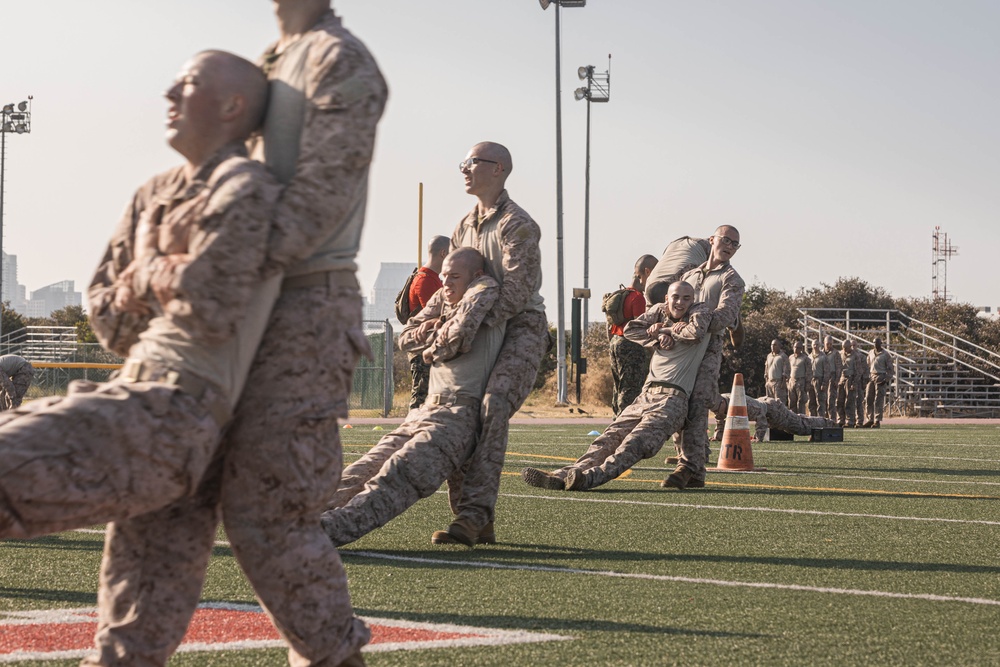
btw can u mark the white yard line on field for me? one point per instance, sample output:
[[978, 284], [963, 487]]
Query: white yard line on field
[[685, 580], [735, 508]]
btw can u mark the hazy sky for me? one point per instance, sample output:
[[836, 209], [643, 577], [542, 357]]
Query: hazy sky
[[835, 135]]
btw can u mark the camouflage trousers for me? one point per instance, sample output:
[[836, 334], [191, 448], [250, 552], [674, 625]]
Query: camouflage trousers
[[629, 367], [637, 433], [693, 444], [780, 417], [832, 392], [406, 465], [281, 461], [859, 400], [819, 399], [20, 381], [875, 401], [473, 488], [847, 403], [778, 390], [797, 395], [420, 374], [104, 452]]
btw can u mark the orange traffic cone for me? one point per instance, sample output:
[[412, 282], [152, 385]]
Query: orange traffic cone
[[735, 452]]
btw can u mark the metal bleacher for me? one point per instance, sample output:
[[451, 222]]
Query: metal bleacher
[[938, 374]]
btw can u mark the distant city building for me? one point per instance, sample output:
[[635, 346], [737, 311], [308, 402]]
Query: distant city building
[[381, 305], [43, 301], [13, 292]]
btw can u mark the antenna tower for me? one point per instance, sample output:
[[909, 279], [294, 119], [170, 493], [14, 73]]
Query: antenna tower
[[942, 250]]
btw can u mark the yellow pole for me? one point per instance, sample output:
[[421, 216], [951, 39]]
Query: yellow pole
[[420, 227]]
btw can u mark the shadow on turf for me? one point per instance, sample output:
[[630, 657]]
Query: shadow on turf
[[940, 472], [536, 624], [530, 554], [57, 543], [47, 595]]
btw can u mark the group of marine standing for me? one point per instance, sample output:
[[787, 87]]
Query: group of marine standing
[[846, 385]]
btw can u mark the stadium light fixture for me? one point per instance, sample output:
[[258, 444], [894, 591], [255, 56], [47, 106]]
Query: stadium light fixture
[[17, 122], [598, 90]]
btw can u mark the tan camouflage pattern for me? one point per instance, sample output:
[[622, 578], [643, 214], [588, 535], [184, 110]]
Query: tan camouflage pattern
[[637, 433], [345, 95], [282, 460], [461, 321], [768, 412], [104, 452], [219, 217], [722, 290], [880, 370], [509, 240], [473, 489], [629, 366], [819, 396], [680, 256], [16, 374], [798, 382], [836, 366], [777, 370], [435, 439], [420, 375], [847, 392], [408, 464], [863, 377]]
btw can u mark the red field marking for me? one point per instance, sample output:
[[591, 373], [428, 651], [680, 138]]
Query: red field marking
[[69, 633]]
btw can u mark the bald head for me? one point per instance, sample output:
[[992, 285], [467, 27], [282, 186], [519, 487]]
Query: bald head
[[217, 98], [490, 150], [236, 77], [680, 298], [461, 267]]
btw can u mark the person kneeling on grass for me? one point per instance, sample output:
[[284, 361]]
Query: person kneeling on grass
[[766, 412], [436, 438], [677, 332]]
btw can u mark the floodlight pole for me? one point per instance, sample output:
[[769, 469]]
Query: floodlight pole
[[603, 94], [11, 120], [561, 374]]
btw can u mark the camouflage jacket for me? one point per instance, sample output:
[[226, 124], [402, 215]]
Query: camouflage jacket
[[509, 240], [216, 223], [327, 96], [722, 290], [696, 320], [460, 322]]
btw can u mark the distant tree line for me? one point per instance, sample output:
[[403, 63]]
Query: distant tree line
[[769, 314]]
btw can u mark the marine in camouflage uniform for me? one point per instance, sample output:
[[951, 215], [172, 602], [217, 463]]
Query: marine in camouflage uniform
[[719, 286], [629, 365], [436, 438], [836, 367], [680, 256], [658, 412], [847, 392], [629, 362], [16, 374], [777, 371], [881, 372], [766, 412], [180, 292], [508, 239], [818, 395], [283, 446], [861, 367], [800, 377]]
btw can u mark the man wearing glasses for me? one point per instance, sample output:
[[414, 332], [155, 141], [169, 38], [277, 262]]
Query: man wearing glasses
[[720, 287], [508, 239]]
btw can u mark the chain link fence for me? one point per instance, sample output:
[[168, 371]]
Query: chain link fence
[[371, 394]]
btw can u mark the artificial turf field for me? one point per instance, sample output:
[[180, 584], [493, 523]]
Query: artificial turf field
[[881, 550]]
